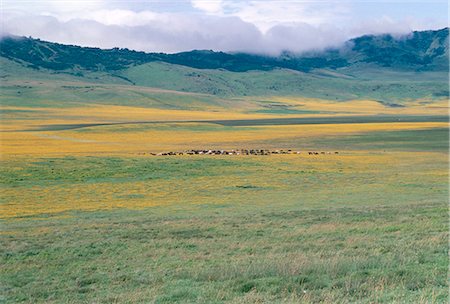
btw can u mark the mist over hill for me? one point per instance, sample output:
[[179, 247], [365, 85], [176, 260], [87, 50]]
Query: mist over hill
[[381, 67], [425, 50]]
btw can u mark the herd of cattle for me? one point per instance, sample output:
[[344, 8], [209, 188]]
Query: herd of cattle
[[239, 152]]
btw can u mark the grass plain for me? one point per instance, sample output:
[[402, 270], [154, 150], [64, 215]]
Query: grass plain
[[359, 227], [88, 216]]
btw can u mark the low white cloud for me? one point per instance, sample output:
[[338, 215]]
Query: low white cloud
[[187, 34], [267, 27]]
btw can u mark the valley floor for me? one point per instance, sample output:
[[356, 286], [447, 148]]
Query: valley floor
[[87, 217]]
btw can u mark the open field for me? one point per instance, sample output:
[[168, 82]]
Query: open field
[[88, 216], [198, 121], [358, 227]]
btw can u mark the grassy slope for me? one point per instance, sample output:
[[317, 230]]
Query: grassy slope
[[344, 84], [21, 86], [390, 87]]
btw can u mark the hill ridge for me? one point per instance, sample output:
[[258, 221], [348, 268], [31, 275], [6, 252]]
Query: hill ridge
[[421, 50]]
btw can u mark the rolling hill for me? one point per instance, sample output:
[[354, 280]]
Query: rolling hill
[[426, 50], [383, 68]]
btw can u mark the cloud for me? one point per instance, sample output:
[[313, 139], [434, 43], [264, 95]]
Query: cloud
[[227, 34], [268, 13], [223, 25], [210, 7]]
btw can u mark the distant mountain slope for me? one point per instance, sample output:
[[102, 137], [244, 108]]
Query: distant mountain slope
[[129, 86], [380, 84], [426, 50], [381, 68]]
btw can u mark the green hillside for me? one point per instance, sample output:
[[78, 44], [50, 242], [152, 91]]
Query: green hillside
[[341, 84], [426, 50], [129, 86], [382, 68]]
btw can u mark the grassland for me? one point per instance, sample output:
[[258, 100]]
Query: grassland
[[88, 216], [341, 84], [388, 86], [358, 227], [214, 254]]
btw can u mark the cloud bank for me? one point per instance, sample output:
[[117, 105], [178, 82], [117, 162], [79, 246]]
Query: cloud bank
[[267, 27]]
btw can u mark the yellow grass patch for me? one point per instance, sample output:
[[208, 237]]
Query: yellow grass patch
[[368, 107], [276, 179], [177, 137]]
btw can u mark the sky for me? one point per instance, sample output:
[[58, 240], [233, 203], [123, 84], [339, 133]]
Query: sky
[[264, 26]]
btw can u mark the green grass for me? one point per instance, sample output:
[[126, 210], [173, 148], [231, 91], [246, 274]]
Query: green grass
[[214, 254], [433, 139], [61, 94], [231, 230], [360, 227], [26, 86], [22, 86], [413, 140], [363, 83]]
